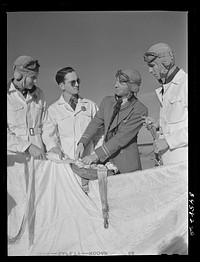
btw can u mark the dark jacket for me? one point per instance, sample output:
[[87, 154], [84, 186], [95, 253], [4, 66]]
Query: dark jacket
[[121, 148]]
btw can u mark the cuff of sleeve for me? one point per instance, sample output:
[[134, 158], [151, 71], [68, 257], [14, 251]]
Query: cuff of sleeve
[[84, 141], [102, 153]]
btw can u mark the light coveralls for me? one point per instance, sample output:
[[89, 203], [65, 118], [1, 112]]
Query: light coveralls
[[69, 125], [25, 126], [26, 119], [174, 118]]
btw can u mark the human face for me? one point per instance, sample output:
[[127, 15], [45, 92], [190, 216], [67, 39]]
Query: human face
[[154, 70], [30, 81], [121, 88], [71, 83]]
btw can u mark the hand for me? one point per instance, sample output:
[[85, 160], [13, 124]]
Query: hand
[[57, 151], [90, 159], [36, 152], [160, 145], [79, 151], [148, 121]]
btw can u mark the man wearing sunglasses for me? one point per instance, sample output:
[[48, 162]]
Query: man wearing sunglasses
[[71, 113], [172, 94], [120, 116]]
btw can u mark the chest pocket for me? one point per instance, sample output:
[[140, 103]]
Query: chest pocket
[[14, 107], [61, 118], [15, 114], [85, 114], [36, 112], [176, 110]]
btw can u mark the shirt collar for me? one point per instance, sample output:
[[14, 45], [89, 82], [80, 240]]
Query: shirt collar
[[175, 81], [62, 101], [13, 87], [169, 79]]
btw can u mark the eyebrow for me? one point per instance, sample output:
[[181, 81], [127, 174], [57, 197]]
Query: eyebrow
[[150, 64], [71, 79]]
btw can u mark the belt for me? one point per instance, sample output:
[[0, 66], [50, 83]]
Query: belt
[[34, 131]]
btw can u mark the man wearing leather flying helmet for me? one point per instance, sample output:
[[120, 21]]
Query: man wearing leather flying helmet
[[172, 94], [26, 111]]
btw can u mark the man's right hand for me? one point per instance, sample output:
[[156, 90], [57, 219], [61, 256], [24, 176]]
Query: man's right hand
[[148, 121], [36, 152], [79, 151]]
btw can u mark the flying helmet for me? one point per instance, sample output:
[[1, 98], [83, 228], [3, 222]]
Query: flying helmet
[[25, 66], [163, 55], [130, 76]]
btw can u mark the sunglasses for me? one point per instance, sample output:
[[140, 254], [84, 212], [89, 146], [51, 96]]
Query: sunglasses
[[73, 82]]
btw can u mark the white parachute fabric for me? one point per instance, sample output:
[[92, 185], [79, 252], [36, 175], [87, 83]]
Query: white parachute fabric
[[147, 211]]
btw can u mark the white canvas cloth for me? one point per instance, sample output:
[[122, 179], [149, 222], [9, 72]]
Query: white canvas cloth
[[147, 211]]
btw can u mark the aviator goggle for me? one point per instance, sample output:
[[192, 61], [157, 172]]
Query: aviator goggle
[[124, 78], [149, 57], [30, 65]]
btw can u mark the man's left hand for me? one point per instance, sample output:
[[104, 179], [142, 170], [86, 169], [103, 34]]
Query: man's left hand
[[88, 160], [160, 145], [57, 150]]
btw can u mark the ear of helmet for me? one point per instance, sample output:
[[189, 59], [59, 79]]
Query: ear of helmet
[[164, 54], [168, 60], [134, 88], [18, 76]]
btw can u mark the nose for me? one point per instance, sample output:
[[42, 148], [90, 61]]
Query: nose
[[76, 83], [117, 84]]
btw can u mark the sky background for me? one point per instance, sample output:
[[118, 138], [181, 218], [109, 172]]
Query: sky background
[[96, 44]]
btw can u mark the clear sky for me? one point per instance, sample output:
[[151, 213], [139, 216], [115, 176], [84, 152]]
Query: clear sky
[[96, 44]]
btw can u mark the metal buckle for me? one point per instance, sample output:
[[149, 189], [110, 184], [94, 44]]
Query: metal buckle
[[31, 131]]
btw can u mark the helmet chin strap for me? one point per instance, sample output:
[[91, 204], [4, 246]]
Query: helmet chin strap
[[164, 71], [20, 83], [23, 81], [170, 70]]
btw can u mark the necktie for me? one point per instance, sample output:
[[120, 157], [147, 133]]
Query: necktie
[[162, 91], [115, 112], [73, 101]]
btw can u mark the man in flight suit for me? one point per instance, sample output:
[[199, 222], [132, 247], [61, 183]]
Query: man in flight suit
[[173, 97]]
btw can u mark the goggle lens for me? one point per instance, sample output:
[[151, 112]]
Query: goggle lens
[[122, 76], [33, 65], [149, 57]]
